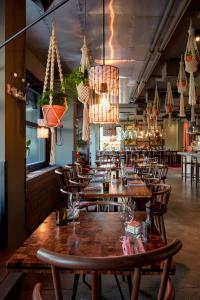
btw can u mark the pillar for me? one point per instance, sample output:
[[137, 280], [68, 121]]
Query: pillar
[[12, 127]]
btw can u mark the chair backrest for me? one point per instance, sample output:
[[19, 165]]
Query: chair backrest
[[150, 180], [78, 168], [37, 292], [162, 172], [96, 265], [160, 193], [61, 178]]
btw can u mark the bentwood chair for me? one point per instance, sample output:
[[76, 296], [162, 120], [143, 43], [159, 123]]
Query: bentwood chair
[[97, 265], [61, 178], [37, 292], [160, 195]]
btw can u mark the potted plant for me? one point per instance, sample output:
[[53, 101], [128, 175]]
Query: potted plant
[[28, 147], [76, 84], [189, 56], [53, 113]]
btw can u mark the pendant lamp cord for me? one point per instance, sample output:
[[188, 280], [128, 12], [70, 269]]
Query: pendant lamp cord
[[103, 32]]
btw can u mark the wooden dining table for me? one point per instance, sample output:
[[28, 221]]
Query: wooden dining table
[[98, 234], [135, 188]]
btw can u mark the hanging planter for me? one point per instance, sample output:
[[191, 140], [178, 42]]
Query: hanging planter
[[156, 103], [169, 108], [53, 101], [77, 84], [83, 91], [182, 86], [169, 102], [54, 112], [149, 108], [191, 66]]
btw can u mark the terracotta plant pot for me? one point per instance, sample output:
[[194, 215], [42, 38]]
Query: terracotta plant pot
[[156, 112], [188, 57], [53, 114], [169, 108], [182, 83]]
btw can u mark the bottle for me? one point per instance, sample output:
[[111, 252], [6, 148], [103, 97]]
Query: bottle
[[117, 173]]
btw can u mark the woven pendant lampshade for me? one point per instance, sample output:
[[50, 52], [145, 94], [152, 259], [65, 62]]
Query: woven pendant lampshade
[[104, 105], [104, 82]]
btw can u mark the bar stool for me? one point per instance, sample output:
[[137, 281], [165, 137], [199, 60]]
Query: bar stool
[[197, 166], [184, 164], [193, 168]]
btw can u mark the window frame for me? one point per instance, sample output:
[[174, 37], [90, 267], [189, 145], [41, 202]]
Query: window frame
[[36, 86]]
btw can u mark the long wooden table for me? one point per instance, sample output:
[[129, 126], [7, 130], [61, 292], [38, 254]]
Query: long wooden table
[[135, 189], [97, 235]]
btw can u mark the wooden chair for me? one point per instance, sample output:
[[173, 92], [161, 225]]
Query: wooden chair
[[61, 178], [150, 180], [160, 195], [37, 292], [98, 265]]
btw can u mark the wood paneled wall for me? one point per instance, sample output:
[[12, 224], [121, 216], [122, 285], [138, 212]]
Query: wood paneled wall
[[42, 195]]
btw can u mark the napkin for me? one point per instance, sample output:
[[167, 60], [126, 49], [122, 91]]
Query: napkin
[[138, 246], [131, 246], [126, 246]]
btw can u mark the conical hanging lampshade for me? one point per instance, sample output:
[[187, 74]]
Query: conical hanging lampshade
[[104, 81]]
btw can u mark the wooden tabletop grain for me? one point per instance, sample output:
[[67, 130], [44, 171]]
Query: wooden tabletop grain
[[98, 234]]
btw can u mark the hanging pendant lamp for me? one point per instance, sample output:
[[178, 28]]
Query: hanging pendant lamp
[[104, 81]]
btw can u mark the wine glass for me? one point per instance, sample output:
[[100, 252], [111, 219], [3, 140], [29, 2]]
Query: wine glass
[[76, 205], [73, 204]]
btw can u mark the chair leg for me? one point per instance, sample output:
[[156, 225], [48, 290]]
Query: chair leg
[[130, 285], [159, 225], [163, 229], [119, 287], [75, 286]]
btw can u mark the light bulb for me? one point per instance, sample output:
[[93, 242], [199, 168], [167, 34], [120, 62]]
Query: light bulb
[[104, 101]]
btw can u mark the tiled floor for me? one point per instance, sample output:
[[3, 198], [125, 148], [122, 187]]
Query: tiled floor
[[182, 221]]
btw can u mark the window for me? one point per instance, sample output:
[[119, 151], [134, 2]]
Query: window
[[38, 156]]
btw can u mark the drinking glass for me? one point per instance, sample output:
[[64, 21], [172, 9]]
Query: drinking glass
[[76, 205], [73, 204]]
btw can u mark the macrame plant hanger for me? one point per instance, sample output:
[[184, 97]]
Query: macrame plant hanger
[[182, 87], [156, 106], [169, 103], [50, 110], [191, 65], [83, 89], [148, 110]]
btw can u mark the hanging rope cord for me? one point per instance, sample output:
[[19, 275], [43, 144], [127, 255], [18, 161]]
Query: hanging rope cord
[[53, 53], [83, 90]]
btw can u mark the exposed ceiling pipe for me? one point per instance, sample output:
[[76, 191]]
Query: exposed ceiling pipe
[[153, 56], [54, 8]]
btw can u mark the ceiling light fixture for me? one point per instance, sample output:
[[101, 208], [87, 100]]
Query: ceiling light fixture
[[104, 81]]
